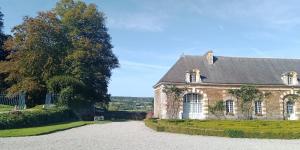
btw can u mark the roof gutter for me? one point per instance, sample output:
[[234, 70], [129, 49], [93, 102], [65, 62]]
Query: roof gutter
[[225, 84]]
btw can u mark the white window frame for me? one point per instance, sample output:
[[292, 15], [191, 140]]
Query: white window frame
[[290, 80], [194, 102], [192, 106], [193, 77], [229, 106], [290, 108], [258, 107]]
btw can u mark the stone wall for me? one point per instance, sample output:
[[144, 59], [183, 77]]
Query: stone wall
[[272, 107], [157, 103]]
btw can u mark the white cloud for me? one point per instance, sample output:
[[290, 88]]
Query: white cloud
[[270, 13], [139, 65], [155, 15], [262, 35], [138, 21]]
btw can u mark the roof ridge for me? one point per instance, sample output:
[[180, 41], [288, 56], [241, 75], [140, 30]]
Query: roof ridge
[[244, 57], [259, 58]]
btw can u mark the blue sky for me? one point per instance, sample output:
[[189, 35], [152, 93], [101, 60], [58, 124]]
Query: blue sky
[[150, 35]]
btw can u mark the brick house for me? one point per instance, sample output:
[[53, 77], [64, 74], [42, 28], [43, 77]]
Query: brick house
[[209, 77]]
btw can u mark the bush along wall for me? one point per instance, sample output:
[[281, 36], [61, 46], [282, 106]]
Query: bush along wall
[[35, 117], [290, 131], [154, 124]]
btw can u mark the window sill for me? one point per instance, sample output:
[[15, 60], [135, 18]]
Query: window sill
[[229, 114]]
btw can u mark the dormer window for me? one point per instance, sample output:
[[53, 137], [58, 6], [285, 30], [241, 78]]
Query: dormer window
[[290, 78], [193, 76], [210, 57]]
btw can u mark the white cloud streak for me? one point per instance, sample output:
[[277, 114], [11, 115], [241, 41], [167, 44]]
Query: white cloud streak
[[139, 65], [156, 15], [270, 13], [139, 22]]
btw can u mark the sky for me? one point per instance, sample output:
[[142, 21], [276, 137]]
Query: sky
[[150, 35]]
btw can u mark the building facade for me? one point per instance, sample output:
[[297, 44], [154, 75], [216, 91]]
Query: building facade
[[208, 78]]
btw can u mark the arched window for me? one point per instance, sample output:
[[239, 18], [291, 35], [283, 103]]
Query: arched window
[[290, 107], [229, 106], [258, 108], [192, 106]]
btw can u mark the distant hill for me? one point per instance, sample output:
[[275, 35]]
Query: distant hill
[[124, 103], [126, 98]]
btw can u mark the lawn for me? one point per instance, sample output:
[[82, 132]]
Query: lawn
[[226, 128], [5, 108], [44, 129]]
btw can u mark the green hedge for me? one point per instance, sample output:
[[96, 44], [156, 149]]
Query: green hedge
[[241, 129], [123, 115], [35, 117]]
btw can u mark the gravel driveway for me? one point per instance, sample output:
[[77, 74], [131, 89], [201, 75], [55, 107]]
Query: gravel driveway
[[134, 135]]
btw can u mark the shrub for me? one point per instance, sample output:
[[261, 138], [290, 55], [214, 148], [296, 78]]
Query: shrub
[[124, 115], [217, 109], [35, 117], [227, 128], [58, 83], [234, 133], [68, 97], [149, 115], [71, 91]]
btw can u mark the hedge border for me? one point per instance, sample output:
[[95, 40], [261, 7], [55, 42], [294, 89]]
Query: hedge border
[[35, 117], [231, 133]]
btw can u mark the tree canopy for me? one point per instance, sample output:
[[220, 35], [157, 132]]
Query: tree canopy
[[69, 40], [3, 53], [3, 37]]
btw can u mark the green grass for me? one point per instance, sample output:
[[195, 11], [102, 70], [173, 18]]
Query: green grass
[[227, 128], [44, 129], [4, 108]]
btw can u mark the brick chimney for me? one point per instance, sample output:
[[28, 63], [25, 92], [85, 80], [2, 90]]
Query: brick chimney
[[210, 57]]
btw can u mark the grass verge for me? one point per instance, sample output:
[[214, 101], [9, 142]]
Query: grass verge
[[33, 131], [227, 128], [5, 108]]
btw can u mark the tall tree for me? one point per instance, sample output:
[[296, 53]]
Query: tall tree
[[91, 58], [3, 37], [70, 40], [38, 47], [3, 53]]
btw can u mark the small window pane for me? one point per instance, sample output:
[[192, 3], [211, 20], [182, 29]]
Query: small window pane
[[192, 103], [290, 80], [258, 109], [290, 108], [193, 77], [229, 106]]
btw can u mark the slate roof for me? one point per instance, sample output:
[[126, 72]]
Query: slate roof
[[233, 70]]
